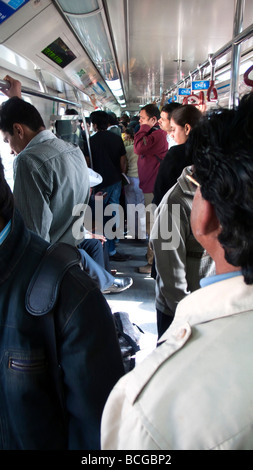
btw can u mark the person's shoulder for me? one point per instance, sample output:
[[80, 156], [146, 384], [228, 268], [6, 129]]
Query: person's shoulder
[[112, 136], [176, 149]]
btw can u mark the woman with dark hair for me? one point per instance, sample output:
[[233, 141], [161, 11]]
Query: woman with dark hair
[[183, 119], [179, 267]]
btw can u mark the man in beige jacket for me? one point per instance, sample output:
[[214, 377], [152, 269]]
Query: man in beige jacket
[[194, 392]]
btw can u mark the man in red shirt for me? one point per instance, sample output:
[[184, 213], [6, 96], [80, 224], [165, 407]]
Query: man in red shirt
[[151, 146]]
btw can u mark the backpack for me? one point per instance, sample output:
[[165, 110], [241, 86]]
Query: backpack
[[42, 295], [129, 337]]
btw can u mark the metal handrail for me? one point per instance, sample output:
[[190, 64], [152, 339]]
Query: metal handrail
[[243, 36], [5, 85]]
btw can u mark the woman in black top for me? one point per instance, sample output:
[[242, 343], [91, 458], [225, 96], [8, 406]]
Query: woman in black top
[[183, 119]]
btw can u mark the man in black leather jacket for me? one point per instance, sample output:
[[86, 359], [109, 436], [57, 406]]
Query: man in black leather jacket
[[46, 405]]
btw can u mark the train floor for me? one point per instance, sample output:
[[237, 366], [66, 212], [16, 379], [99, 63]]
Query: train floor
[[139, 300]]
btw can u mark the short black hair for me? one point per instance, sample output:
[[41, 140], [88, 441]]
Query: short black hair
[[71, 112], [101, 119], [169, 108], [151, 110], [222, 151], [16, 110], [112, 118]]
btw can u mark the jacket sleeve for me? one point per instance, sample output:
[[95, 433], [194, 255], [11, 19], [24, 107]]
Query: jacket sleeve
[[90, 359], [145, 142], [168, 239], [31, 184]]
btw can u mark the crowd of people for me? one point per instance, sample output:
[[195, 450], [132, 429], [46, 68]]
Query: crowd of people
[[63, 381]]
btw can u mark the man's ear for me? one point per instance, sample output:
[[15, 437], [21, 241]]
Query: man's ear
[[18, 130], [209, 221]]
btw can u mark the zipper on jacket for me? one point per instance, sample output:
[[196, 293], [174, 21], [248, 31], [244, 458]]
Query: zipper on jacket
[[27, 365]]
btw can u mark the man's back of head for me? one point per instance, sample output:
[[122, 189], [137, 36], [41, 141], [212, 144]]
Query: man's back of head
[[16, 110], [100, 119], [222, 149]]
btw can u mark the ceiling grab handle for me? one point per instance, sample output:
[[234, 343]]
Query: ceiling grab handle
[[212, 94], [193, 99], [247, 79]]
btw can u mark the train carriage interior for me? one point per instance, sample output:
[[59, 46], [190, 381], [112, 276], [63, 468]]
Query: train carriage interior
[[118, 55]]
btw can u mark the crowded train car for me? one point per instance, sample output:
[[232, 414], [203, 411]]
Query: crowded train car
[[119, 90]]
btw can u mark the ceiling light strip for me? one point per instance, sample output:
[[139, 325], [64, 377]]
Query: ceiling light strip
[[84, 15]]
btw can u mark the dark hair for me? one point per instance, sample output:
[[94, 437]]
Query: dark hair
[[16, 110], [169, 108], [101, 119], [130, 131], [112, 118], [223, 164], [151, 110], [186, 114], [71, 112], [6, 196]]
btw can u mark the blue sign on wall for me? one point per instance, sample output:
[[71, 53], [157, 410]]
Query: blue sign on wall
[[172, 99], [184, 91], [8, 7], [200, 85]]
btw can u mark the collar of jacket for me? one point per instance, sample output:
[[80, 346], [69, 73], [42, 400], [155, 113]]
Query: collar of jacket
[[186, 186], [222, 299], [38, 139], [13, 247]]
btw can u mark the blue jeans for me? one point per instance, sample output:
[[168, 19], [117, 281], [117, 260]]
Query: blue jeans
[[113, 196], [94, 261]]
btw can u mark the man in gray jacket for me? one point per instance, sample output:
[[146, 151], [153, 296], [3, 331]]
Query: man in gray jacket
[[180, 261]]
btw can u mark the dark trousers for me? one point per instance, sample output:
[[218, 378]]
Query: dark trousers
[[163, 322]]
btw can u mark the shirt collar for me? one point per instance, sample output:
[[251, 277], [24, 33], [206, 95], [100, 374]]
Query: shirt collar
[[206, 281], [39, 138]]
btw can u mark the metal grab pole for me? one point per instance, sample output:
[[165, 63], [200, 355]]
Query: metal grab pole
[[4, 85], [236, 53]]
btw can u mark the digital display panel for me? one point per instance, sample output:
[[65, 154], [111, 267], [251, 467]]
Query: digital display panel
[[9, 7], [59, 53]]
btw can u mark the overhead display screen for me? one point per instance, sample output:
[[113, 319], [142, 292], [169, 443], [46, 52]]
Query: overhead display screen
[[59, 53], [9, 7]]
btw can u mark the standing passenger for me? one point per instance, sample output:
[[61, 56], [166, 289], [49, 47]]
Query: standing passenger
[[50, 175], [150, 144], [183, 119], [109, 160], [164, 121], [133, 192], [180, 261]]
